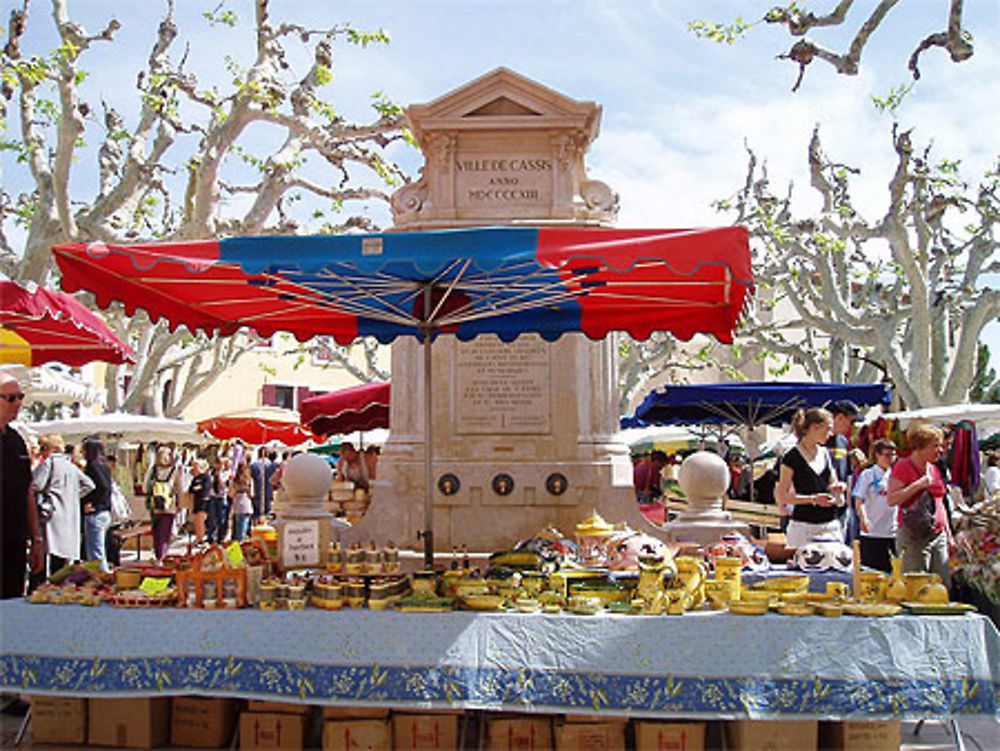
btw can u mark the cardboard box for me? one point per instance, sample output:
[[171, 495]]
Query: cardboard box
[[355, 713], [357, 735], [128, 723], [57, 719], [272, 730], [287, 707], [854, 735], [590, 736], [569, 718], [772, 735], [200, 722], [519, 734], [669, 736], [425, 731]]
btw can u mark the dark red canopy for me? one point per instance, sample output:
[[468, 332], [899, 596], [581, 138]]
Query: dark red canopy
[[39, 325], [363, 407]]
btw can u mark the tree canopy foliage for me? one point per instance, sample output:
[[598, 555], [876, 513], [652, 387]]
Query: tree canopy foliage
[[183, 159], [799, 21], [901, 295]]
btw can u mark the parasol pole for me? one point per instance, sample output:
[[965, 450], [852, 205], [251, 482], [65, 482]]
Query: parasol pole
[[428, 533]]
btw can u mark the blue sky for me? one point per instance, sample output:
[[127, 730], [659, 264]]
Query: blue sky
[[678, 111]]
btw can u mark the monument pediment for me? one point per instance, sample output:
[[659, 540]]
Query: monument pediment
[[507, 97], [503, 107], [503, 148]]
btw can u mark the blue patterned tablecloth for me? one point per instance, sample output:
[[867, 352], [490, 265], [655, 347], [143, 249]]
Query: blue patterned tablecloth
[[705, 664]]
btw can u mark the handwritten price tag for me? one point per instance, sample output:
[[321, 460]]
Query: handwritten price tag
[[235, 553], [153, 585]]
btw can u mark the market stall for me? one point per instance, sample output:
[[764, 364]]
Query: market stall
[[705, 664]]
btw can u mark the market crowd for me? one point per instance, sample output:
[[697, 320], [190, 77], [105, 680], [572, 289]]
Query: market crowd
[[900, 497], [63, 503]]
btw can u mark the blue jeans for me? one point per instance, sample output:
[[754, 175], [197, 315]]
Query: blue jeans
[[94, 528], [218, 518], [241, 525]]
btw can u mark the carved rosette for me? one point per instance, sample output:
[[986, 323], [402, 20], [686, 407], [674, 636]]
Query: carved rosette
[[409, 201], [598, 197]]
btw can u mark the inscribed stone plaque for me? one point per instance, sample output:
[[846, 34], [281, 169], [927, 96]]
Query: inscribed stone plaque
[[503, 180], [503, 388]]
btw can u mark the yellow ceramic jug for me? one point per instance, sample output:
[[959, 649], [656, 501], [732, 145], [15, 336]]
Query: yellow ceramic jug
[[896, 590]]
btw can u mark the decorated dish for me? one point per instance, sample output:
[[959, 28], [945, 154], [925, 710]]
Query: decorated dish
[[795, 583], [748, 607], [483, 602], [796, 608], [939, 608], [828, 609], [871, 609]]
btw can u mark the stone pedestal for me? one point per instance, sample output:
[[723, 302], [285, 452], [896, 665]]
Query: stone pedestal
[[522, 430], [305, 528], [704, 478]]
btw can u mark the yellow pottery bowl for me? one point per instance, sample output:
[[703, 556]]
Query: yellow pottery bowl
[[915, 581]]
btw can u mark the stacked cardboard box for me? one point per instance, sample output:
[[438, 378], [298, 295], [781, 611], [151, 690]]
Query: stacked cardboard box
[[772, 735], [855, 735], [590, 735], [128, 723], [274, 725], [56, 719], [669, 736], [519, 733], [357, 735], [200, 722]]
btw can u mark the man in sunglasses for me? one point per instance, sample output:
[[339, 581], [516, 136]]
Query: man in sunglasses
[[18, 515]]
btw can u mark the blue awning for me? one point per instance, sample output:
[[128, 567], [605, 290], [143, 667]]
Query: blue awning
[[747, 403]]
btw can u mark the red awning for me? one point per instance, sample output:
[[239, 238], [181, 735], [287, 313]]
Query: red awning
[[363, 407]]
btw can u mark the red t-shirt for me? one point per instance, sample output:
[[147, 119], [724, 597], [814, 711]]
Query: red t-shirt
[[907, 472]]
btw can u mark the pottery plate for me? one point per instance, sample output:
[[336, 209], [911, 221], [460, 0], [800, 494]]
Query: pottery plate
[[748, 607], [796, 608], [939, 608], [871, 609], [483, 602]]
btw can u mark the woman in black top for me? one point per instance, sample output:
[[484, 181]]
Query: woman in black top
[[807, 482], [96, 505], [201, 490]]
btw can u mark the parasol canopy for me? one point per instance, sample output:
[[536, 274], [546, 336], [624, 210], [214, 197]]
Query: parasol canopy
[[258, 426], [504, 280], [362, 407], [748, 403], [39, 325], [115, 425], [986, 416], [500, 280]]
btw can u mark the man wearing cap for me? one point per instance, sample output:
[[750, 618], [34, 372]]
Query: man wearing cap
[[845, 414]]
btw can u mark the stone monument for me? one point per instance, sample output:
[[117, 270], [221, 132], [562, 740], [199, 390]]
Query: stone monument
[[523, 431]]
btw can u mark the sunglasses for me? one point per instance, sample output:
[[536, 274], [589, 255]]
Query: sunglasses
[[11, 398]]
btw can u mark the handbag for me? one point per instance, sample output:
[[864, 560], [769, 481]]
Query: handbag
[[45, 502], [919, 518]]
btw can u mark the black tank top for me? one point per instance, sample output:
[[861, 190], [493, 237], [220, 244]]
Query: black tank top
[[807, 482]]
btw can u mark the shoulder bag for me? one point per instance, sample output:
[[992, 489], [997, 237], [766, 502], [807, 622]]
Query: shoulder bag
[[45, 502], [919, 516]]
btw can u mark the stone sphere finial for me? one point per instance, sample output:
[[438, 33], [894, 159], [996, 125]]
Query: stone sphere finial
[[306, 479], [704, 474]]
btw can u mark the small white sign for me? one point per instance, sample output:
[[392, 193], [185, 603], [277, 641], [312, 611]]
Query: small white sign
[[301, 544], [371, 246]]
